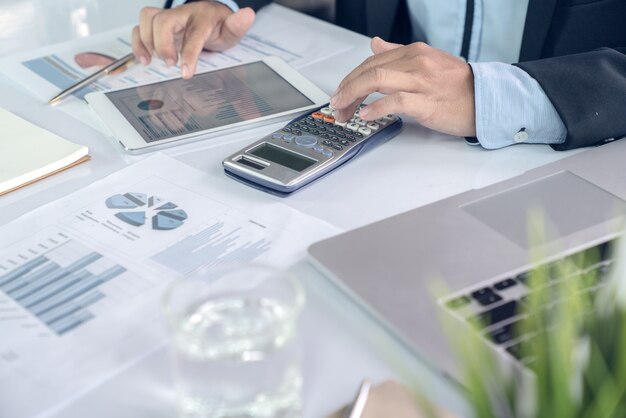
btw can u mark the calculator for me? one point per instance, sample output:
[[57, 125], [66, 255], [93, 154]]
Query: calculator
[[307, 148]]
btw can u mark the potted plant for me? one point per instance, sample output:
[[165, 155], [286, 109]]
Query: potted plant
[[573, 349]]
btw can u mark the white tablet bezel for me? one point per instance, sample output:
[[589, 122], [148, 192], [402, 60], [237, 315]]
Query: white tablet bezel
[[133, 142]]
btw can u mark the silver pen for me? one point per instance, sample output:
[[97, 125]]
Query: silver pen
[[93, 77], [358, 405]]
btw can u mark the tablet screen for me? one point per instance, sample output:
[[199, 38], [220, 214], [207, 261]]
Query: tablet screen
[[210, 100]]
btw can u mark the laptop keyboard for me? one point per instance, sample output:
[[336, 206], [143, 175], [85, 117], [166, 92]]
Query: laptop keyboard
[[495, 307]]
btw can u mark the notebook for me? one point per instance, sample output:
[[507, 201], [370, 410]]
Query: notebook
[[29, 153]]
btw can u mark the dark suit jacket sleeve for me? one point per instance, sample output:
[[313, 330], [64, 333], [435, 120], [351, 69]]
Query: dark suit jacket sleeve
[[588, 91], [255, 4]]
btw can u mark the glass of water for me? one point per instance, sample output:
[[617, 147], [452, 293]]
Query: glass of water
[[233, 332]]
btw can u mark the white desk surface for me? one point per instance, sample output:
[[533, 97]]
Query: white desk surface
[[343, 345]]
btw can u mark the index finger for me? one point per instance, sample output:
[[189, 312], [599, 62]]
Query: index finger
[[193, 43], [166, 25], [373, 62], [376, 80]]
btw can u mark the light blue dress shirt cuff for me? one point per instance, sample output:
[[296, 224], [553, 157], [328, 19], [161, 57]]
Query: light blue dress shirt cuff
[[230, 3], [511, 108]]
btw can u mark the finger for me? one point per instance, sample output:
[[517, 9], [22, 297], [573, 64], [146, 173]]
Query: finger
[[140, 51], [382, 58], [199, 35], [395, 56], [381, 80], [379, 45], [401, 102], [146, 17], [234, 27], [166, 25], [345, 114], [194, 39]]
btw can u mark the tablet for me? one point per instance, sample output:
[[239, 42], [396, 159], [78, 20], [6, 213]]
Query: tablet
[[217, 102]]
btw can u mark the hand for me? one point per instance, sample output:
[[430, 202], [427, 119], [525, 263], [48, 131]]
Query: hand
[[432, 86], [188, 29]]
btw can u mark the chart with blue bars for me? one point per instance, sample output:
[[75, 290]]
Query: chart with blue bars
[[58, 72], [64, 70], [221, 242], [58, 281]]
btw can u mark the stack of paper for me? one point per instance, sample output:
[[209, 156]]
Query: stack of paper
[[82, 278], [29, 153]]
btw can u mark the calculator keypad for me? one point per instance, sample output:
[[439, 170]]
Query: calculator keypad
[[321, 133], [306, 141]]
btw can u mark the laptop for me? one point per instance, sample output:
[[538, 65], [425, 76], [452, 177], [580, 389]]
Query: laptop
[[477, 243]]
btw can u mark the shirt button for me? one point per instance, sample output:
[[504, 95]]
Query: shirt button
[[521, 136]]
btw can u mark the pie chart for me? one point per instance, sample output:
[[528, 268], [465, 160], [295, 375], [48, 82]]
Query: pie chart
[[151, 104], [136, 208]]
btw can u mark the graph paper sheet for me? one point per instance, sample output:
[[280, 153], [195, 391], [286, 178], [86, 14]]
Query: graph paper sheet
[[81, 278]]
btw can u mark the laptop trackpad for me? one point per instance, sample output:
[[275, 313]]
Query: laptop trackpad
[[563, 202]]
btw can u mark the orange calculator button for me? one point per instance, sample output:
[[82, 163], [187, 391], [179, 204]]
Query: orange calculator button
[[329, 119], [318, 115]]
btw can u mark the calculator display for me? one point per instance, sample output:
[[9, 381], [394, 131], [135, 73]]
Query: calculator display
[[283, 157], [306, 149]]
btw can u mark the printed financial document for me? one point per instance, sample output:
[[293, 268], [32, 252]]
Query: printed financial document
[[81, 279], [277, 31]]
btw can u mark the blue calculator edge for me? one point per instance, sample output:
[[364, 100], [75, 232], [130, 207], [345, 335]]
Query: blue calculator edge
[[376, 139]]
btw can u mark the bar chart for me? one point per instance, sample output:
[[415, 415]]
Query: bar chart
[[224, 241], [58, 281]]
